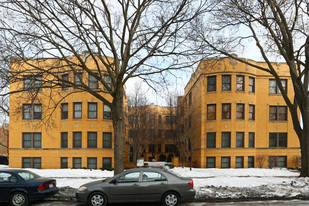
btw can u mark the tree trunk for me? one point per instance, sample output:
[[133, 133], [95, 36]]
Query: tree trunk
[[119, 129], [304, 145]]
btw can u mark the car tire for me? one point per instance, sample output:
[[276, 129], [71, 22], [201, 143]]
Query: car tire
[[19, 199], [170, 199], [97, 199]]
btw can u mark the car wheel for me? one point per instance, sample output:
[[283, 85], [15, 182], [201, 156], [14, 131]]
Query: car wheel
[[19, 199], [97, 199], [170, 199]]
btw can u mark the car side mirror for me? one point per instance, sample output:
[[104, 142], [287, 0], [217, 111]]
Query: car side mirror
[[114, 181]]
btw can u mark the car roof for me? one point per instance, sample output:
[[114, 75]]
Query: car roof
[[145, 169], [13, 170]]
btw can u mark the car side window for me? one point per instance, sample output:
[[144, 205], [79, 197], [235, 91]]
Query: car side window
[[153, 176], [7, 178], [129, 177]]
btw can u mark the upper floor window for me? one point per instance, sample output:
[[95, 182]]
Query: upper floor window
[[251, 84], [226, 82], [226, 111], [240, 83], [226, 140], [32, 111], [108, 81], [274, 89], [78, 80], [278, 140], [240, 139], [211, 140], [107, 112], [33, 82], [92, 110], [277, 113], [211, 112], [251, 142], [107, 139], [77, 110], [92, 82], [64, 111], [77, 140], [92, 140], [211, 83], [170, 134], [251, 112], [240, 111], [65, 82], [64, 140], [170, 119], [32, 140]]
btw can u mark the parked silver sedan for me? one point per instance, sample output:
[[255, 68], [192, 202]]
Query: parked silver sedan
[[138, 185]]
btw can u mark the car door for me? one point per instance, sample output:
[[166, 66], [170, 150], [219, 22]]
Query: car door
[[7, 182], [125, 188], [151, 186]]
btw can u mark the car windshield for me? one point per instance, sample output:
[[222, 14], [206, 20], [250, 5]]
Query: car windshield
[[27, 176]]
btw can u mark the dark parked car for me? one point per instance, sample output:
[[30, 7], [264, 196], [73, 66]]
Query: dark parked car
[[19, 187], [138, 185]]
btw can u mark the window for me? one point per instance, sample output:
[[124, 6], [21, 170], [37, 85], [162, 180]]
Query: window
[[64, 162], [107, 162], [274, 89], [108, 82], [277, 161], [129, 177], [226, 82], [77, 140], [239, 162], [32, 140], [210, 162], [92, 140], [65, 82], [33, 83], [211, 112], [170, 148], [107, 139], [31, 162], [32, 111], [92, 163], [133, 119], [170, 119], [278, 140], [153, 177], [77, 113], [64, 111], [225, 162], [92, 81], [132, 133], [160, 119], [239, 139], [240, 83], [151, 119], [226, 111], [211, 84], [251, 84], [211, 140], [251, 112], [107, 112], [92, 110], [170, 134], [190, 98], [251, 162], [277, 113], [78, 79], [240, 111], [64, 140], [77, 162], [7, 178], [251, 143], [159, 147], [226, 140], [152, 148]]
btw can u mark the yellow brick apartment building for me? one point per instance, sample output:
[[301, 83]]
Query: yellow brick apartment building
[[62, 127], [237, 116]]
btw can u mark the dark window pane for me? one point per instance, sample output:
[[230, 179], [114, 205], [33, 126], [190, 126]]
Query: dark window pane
[[211, 140], [92, 110], [226, 111], [226, 140], [77, 162], [107, 112], [92, 140], [225, 162], [240, 111], [239, 162], [226, 83], [211, 112], [239, 139], [251, 140], [77, 139], [211, 84], [77, 110], [64, 111], [107, 162], [107, 139], [210, 162], [64, 163], [240, 83], [92, 163]]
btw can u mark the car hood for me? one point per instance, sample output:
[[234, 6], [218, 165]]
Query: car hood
[[94, 183]]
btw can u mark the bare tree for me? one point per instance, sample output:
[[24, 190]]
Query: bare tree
[[260, 160], [125, 39], [279, 29]]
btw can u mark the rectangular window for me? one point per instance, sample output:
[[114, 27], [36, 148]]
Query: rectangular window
[[211, 140], [240, 83], [65, 82], [92, 163], [225, 162], [77, 140], [211, 84], [240, 111], [210, 162], [171, 148], [32, 140], [190, 98], [226, 111], [64, 111], [170, 134], [107, 112], [64, 140], [277, 161], [32, 82], [152, 119], [77, 110], [251, 143], [251, 112], [31, 162], [278, 140], [277, 113], [107, 139], [239, 162], [64, 163], [170, 119], [78, 80], [273, 87], [152, 148], [32, 111], [108, 82], [251, 84], [92, 81], [107, 162], [239, 139], [92, 140], [251, 162], [211, 112], [226, 82], [77, 162], [226, 140], [92, 110]]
